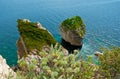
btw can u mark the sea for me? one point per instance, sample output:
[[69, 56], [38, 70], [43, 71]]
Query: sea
[[101, 17]]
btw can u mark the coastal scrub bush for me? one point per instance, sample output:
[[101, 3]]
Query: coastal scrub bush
[[110, 61], [54, 65]]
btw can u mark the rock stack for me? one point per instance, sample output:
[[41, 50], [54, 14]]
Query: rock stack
[[73, 30]]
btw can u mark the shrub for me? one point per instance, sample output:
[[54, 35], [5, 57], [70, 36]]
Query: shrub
[[110, 61], [54, 65]]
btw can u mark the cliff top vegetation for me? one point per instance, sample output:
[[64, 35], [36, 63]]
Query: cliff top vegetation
[[34, 37], [75, 24]]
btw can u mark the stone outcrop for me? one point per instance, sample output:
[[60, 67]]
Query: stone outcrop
[[5, 71], [33, 38], [73, 30], [97, 53]]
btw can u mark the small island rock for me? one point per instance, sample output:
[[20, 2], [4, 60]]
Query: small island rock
[[73, 30]]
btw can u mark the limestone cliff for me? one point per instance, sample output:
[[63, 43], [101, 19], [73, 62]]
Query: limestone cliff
[[33, 37], [5, 71]]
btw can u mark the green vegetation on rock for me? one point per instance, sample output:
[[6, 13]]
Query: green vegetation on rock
[[75, 24], [54, 65], [34, 37]]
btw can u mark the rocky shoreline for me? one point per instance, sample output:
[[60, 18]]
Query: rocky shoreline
[[33, 38], [39, 53]]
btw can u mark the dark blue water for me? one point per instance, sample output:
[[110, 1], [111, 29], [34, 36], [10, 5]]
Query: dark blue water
[[102, 19]]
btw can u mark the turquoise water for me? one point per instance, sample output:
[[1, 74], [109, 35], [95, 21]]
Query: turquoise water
[[102, 19]]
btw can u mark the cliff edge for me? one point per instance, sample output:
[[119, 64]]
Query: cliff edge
[[33, 37], [5, 71]]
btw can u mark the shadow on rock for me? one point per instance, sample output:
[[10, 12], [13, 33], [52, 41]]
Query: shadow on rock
[[70, 47]]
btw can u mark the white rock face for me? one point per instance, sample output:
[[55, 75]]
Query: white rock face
[[97, 53], [26, 20], [73, 30], [5, 71], [39, 25], [71, 36]]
